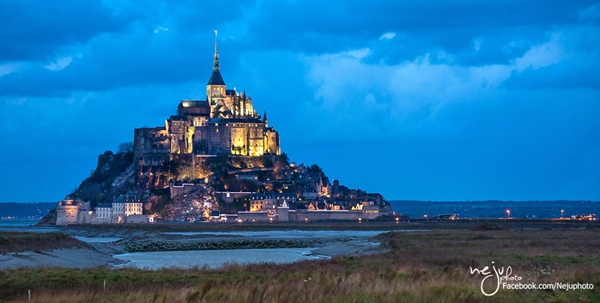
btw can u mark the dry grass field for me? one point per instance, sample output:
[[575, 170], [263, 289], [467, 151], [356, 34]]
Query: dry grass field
[[423, 266]]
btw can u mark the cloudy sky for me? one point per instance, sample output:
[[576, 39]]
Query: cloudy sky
[[428, 99]]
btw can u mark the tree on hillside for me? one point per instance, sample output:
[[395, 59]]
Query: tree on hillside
[[125, 147], [185, 173], [170, 170], [315, 169], [283, 158]]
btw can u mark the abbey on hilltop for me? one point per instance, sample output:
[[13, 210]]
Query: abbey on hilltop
[[223, 124], [216, 159]]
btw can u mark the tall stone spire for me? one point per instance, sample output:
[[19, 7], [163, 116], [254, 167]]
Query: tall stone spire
[[216, 78], [265, 119], [216, 63]]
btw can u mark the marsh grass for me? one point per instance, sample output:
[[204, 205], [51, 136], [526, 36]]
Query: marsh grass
[[429, 266]]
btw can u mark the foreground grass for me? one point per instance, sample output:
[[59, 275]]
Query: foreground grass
[[419, 267]]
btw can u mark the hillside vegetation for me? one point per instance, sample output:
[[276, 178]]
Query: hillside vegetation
[[113, 176]]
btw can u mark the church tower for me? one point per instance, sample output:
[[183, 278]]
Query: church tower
[[265, 120], [215, 89]]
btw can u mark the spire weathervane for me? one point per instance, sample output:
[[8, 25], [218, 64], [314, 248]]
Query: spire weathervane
[[216, 63]]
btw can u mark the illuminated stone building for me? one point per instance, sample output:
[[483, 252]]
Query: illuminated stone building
[[73, 212], [269, 201], [223, 124]]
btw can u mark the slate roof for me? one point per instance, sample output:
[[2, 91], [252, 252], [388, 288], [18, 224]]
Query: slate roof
[[215, 78], [178, 118]]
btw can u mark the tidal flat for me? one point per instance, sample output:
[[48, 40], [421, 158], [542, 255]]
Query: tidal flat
[[433, 265]]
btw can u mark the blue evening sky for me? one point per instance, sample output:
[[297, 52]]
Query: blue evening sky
[[427, 99]]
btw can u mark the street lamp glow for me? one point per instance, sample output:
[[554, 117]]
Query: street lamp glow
[[508, 213]]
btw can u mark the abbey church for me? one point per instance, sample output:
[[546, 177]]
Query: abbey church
[[223, 124]]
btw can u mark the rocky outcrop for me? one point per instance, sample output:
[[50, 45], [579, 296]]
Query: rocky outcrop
[[194, 204], [49, 219], [210, 245]]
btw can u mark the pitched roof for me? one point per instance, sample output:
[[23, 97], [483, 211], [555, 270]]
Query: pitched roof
[[215, 78], [178, 118]]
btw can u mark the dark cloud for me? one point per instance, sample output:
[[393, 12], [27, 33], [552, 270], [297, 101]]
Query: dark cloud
[[115, 61], [34, 30], [170, 43], [337, 26]]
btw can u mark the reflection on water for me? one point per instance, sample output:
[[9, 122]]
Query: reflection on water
[[97, 239], [214, 258]]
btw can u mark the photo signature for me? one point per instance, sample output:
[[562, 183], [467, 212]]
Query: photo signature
[[501, 274]]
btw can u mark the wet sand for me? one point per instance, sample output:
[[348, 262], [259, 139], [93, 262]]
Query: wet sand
[[69, 257], [104, 246], [335, 238]]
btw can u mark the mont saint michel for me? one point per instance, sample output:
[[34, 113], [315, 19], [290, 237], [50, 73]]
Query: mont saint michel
[[217, 159]]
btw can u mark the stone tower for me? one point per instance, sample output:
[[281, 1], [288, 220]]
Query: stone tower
[[215, 89]]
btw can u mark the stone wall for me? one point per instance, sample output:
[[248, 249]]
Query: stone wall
[[303, 215], [257, 216], [66, 214], [325, 215], [139, 219]]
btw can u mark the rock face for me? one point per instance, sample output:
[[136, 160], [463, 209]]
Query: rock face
[[49, 219], [197, 203], [114, 175]]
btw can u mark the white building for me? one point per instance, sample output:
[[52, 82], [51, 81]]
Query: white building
[[103, 213], [119, 211], [269, 201]]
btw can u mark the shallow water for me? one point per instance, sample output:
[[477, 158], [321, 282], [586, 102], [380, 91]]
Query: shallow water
[[97, 239], [214, 258]]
